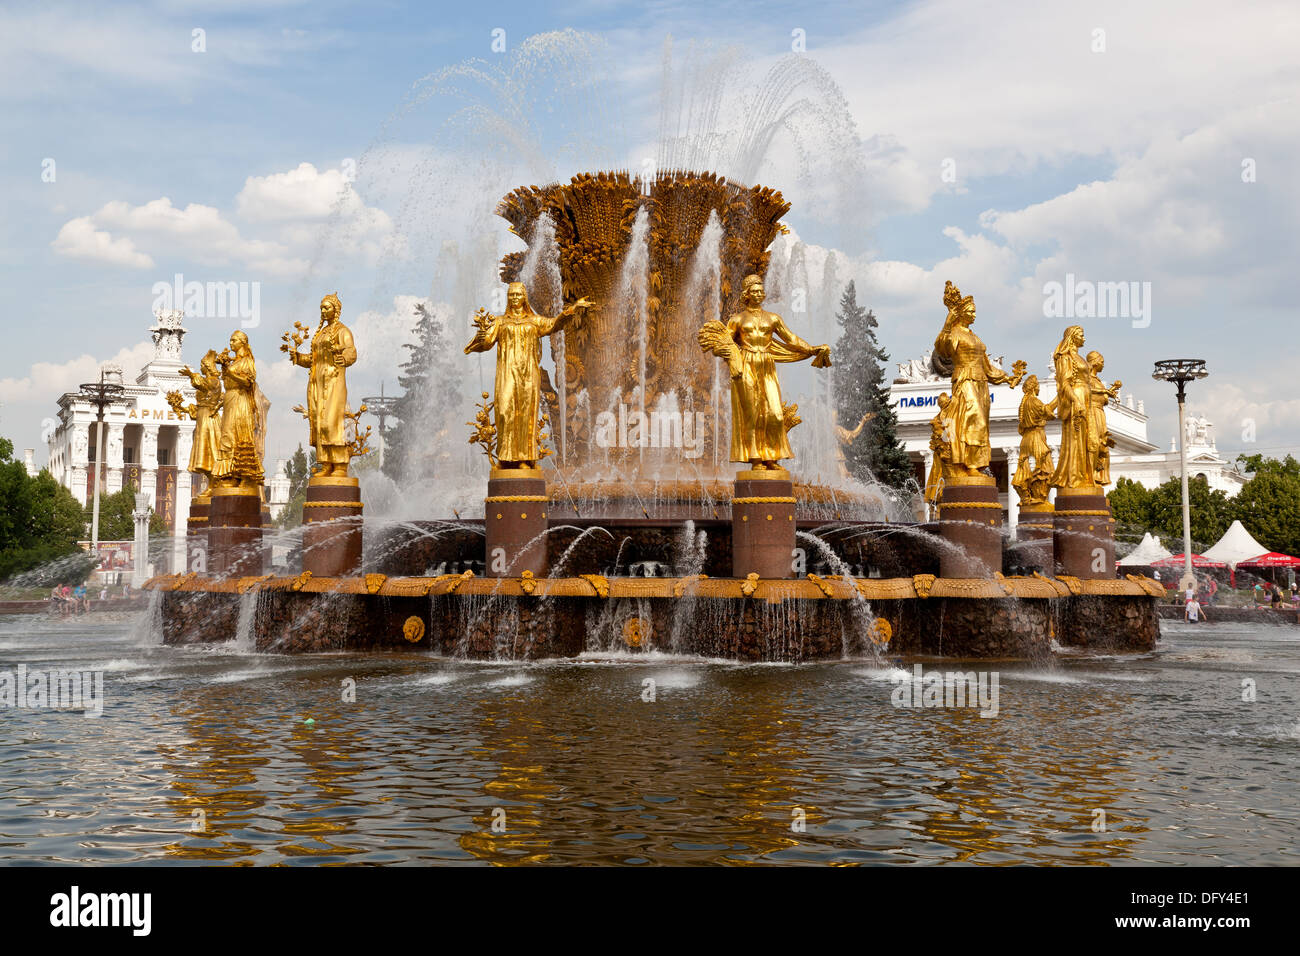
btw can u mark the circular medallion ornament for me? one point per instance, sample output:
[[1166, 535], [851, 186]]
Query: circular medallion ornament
[[413, 629], [880, 632], [634, 631]]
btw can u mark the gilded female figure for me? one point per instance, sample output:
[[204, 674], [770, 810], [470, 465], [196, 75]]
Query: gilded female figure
[[1100, 441], [517, 336], [238, 460], [940, 429], [1034, 472], [972, 373], [205, 412], [749, 343], [332, 351], [1076, 468]]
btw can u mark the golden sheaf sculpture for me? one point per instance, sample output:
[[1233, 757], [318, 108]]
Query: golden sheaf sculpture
[[752, 342], [517, 336]]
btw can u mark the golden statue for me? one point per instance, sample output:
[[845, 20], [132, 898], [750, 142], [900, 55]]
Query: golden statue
[[238, 462], [1074, 469], [332, 351], [204, 411], [1100, 441], [1033, 476], [517, 336], [759, 419], [845, 437], [940, 431], [972, 373]]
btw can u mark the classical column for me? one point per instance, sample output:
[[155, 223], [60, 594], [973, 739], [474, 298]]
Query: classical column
[[927, 462], [113, 461], [140, 573], [79, 462], [149, 462], [1013, 462]]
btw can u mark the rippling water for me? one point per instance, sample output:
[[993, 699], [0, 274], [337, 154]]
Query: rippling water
[[571, 765]]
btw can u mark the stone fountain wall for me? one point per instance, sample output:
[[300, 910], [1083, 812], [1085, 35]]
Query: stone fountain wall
[[526, 627]]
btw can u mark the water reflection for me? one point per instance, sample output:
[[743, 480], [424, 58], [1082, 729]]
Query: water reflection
[[565, 762]]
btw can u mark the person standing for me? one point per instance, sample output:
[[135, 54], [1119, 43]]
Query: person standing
[[1192, 612]]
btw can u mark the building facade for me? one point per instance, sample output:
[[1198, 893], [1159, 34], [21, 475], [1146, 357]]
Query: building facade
[[146, 446]]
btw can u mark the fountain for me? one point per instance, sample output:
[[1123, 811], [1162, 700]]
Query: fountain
[[614, 515]]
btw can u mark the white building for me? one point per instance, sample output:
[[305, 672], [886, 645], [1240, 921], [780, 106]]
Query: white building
[[147, 445], [916, 391]]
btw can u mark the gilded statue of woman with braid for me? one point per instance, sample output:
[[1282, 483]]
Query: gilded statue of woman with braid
[[972, 373], [239, 458]]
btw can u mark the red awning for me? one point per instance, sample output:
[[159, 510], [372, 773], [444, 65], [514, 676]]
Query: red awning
[[1176, 561], [1271, 560]]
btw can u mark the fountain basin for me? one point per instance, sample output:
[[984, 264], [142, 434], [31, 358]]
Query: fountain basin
[[814, 618]]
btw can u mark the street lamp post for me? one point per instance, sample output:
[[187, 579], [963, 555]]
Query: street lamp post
[[101, 394], [382, 407], [1180, 372]]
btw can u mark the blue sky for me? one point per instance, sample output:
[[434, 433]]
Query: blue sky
[[993, 145]]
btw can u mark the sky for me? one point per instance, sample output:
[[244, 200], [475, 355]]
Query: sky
[[297, 149]]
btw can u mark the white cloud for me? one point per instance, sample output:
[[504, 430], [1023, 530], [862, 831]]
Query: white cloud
[[79, 239]]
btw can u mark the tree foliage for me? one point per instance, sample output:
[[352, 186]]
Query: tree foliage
[[117, 517], [860, 389], [430, 386], [40, 522], [298, 470], [1268, 505]]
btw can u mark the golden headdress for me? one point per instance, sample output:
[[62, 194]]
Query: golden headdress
[[952, 298]]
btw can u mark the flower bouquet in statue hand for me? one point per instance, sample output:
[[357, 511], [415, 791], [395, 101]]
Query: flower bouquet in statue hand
[[1018, 369], [716, 338], [177, 401], [358, 440], [291, 341], [485, 433]]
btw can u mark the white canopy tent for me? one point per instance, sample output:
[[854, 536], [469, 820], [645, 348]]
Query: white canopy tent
[[1235, 546], [1148, 551]]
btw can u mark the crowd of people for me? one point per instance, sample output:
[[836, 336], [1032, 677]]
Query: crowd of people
[[1264, 594]]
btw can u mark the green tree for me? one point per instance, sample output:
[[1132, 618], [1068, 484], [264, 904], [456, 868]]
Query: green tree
[[40, 523], [117, 517], [1268, 505], [860, 389], [1211, 512], [1130, 506], [298, 470], [430, 382]]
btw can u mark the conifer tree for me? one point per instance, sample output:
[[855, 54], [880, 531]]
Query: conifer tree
[[860, 389]]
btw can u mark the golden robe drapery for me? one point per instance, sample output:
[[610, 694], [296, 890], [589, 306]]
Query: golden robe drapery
[[237, 455], [518, 340], [327, 393], [758, 431]]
